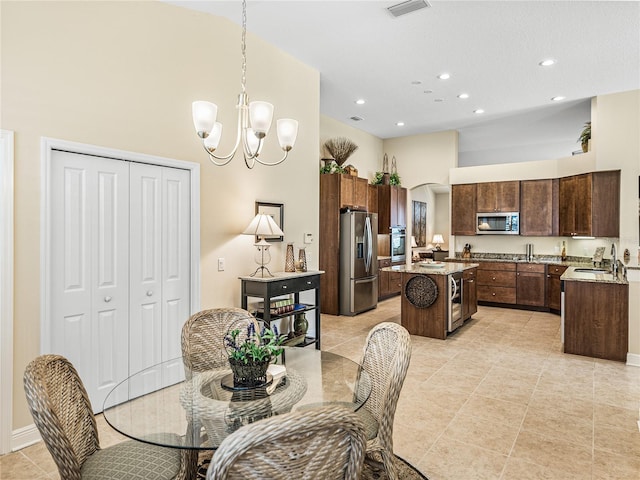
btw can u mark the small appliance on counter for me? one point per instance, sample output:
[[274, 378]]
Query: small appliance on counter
[[466, 251]]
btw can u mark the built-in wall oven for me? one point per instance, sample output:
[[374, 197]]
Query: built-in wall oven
[[455, 300], [398, 244]]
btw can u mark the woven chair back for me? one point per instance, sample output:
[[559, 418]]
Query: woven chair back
[[320, 443], [203, 346], [386, 359], [62, 412]]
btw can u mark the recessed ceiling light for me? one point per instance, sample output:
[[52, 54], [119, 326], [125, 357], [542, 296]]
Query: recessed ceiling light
[[558, 98], [438, 99], [416, 82], [478, 111], [400, 124], [428, 91], [547, 62], [463, 95], [360, 101], [444, 76]]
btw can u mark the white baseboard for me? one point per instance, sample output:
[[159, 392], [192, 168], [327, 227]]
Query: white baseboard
[[25, 436], [633, 359]]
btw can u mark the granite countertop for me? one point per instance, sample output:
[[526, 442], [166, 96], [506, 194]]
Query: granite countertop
[[281, 276], [574, 274], [540, 259], [431, 268]]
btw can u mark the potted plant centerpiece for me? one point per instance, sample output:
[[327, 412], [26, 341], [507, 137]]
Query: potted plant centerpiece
[[251, 352], [585, 136]]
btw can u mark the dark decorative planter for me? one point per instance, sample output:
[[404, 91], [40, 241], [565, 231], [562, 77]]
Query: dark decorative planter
[[249, 374]]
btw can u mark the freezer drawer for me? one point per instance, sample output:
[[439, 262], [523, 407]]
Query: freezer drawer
[[359, 295]]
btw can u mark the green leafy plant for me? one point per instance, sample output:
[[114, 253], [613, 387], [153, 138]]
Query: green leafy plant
[[255, 347], [585, 136], [394, 179], [332, 167], [377, 178]]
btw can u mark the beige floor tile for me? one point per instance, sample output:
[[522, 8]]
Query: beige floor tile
[[16, 466], [621, 441], [549, 422], [494, 410], [552, 452], [508, 385], [615, 416], [518, 469], [497, 437], [607, 466], [452, 460]]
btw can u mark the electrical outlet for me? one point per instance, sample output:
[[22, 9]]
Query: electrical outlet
[[221, 264]]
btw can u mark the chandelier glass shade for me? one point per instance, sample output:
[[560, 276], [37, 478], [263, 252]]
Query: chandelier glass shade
[[254, 122]]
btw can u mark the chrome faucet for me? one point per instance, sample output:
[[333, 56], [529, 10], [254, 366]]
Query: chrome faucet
[[614, 260]]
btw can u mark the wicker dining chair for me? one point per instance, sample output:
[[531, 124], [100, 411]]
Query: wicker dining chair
[[320, 443], [386, 357], [202, 340], [62, 413]]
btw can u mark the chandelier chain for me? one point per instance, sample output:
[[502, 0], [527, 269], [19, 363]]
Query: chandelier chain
[[244, 45]]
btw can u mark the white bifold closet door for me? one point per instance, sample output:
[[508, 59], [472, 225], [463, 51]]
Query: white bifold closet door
[[120, 268]]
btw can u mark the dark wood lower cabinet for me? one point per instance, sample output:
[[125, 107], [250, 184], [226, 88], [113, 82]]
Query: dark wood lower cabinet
[[554, 272], [469, 293], [497, 282], [430, 321], [530, 284], [596, 319]]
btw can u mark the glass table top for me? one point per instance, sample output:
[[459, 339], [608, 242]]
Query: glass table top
[[166, 405]]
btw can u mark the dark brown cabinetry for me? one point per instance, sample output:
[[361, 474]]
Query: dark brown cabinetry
[[336, 191], [463, 209], [590, 204], [554, 272], [596, 319], [497, 282], [389, 282], [392, 206], [372, 198], [531, 284], [498, 196], [469, 293], [430, 321], [539, 207]]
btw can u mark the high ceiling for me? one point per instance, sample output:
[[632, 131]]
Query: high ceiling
[[491, 49]]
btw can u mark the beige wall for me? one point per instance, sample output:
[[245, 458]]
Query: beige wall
[[424, 158], [123, 75]]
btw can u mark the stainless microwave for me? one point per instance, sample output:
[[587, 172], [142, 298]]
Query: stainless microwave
[[498, 223]]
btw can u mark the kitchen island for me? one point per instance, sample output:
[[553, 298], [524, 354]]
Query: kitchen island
[[433, 293]]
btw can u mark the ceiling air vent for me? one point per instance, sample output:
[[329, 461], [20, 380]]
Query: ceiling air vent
[[356, 119], [409, 6]]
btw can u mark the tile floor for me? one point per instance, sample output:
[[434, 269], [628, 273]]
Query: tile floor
[[496, 400]]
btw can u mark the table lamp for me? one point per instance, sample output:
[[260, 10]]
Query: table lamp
[[413, 242], [437, 239], [262, 226]]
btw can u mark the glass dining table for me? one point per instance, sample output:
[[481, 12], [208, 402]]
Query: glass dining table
[[170, 406]]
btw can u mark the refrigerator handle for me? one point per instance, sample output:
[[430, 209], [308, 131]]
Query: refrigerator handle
[[369, 243]]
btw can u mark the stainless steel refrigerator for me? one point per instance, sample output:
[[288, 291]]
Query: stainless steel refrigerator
[[358, 262]]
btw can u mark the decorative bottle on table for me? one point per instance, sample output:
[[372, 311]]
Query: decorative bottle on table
[[563, 255], [290, 260]]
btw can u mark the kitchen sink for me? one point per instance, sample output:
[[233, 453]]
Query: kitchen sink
[[590, 270]]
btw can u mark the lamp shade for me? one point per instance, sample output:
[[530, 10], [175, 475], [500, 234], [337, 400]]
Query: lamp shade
[[437, 238], [260, 116], [263, 225], [287, 133]]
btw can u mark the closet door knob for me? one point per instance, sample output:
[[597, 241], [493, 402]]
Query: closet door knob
[[107, 299], [149, 293]]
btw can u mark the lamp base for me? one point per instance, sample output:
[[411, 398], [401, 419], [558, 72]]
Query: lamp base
[[261, 269]]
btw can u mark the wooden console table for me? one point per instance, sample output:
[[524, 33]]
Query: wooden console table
[[281, 284]]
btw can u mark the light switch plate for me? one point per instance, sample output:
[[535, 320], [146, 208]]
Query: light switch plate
[[308, 238]]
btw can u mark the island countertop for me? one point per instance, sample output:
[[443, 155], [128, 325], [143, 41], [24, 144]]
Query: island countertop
[[431, 268]]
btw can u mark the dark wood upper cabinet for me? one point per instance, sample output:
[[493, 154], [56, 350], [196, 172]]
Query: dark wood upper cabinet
[[590, 204], [463, 209], [539, 207], [392, 206], [498, 196]]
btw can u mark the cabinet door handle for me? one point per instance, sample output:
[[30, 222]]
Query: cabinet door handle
[[493, 294], [149, 293], [548, 276], [284, 287], [308, 283], [493, 278], [518, 274], [470, 281], [107, 299]]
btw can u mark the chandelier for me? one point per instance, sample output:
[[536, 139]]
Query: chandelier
[[254, 121]]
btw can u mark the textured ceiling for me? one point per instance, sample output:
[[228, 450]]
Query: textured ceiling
[[490, 48]]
